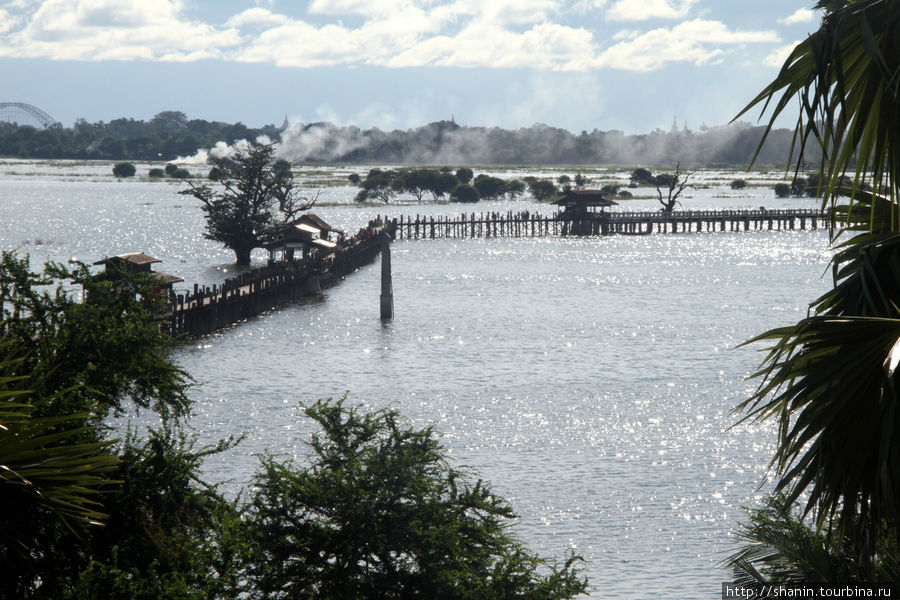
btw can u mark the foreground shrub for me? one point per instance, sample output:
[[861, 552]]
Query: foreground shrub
[[379, 513]]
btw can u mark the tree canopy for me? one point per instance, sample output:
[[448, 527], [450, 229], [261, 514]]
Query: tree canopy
[[379, 513], [252, 194], [166, 136]]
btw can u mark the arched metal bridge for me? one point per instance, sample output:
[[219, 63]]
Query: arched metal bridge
[[24, 114]]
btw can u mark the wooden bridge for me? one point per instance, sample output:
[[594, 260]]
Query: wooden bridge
[[529, 224], [210, 308]]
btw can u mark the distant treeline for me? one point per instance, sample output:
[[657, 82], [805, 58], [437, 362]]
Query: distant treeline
[[166, 136], [171, 134], [445, 142]]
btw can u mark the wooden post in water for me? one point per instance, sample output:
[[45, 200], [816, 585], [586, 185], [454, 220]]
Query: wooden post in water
[[387, 289]]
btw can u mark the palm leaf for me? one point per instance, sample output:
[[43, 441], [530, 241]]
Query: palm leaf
[[846, 77], [831, 384], [44, 461], [779, 549]]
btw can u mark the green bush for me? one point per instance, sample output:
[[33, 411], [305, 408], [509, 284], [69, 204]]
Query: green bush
[[381, 514], [464, 193], [642, 176], [541, 189], [124, 169], [610, 189], [489, 187], [464, 174]]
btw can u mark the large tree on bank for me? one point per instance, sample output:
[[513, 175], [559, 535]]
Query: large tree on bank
[[253, 193]]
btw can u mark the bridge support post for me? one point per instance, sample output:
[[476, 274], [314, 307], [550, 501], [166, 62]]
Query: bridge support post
[[387, 289]]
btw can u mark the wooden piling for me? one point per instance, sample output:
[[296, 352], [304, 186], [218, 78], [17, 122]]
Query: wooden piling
[[387, 290]]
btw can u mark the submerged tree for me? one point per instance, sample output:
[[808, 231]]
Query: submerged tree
[[254, 194], [541, 189], [832, 381], [379, 513], [675, 184], [378, 185]]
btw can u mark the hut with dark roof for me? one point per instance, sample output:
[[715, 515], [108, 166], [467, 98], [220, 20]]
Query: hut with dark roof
[[135, 262], [583, 204]]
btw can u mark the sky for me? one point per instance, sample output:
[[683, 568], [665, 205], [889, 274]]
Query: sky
[[628, 65]]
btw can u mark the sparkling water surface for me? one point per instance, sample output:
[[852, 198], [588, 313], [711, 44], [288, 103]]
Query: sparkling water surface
[[591, 381]]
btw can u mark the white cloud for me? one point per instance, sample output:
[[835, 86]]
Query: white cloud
[[778, 56], [642, 10], [544, 46], [114, 30], [69, 15], [7, 21], [527, 34], [256, 16], [698, 41], [21, 4], [298, 44], [365, 8], [403, 34], [802, 15], [516, 12]]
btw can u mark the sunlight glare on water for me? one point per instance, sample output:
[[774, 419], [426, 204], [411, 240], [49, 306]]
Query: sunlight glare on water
[[591, 381]]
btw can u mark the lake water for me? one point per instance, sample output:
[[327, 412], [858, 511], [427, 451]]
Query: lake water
[[590, 380]]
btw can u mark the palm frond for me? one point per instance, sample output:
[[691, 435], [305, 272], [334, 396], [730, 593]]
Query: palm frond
[[779, 549], [831, 384], [846, 79], [45, 461]]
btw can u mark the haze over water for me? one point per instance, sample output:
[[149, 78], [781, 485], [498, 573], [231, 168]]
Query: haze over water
[[589, 380]]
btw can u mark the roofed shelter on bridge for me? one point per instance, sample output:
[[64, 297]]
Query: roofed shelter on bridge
[[133, 263], [309, 234], [581, 204]]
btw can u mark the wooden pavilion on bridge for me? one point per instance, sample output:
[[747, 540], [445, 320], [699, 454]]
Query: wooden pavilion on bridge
[[132, 263], [580, 214], [577, 204], [313, 237]]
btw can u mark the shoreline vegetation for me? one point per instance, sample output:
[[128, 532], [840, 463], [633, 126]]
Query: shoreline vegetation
[[423, 186]]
